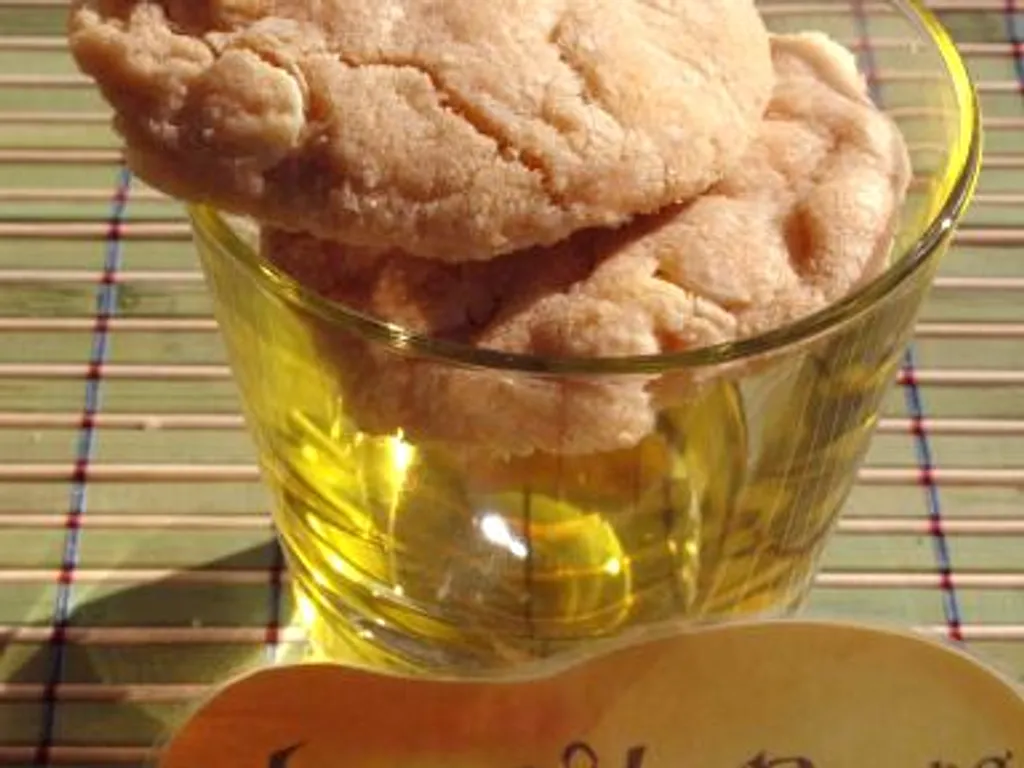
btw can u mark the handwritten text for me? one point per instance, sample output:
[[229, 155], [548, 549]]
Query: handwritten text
[[579, 754]]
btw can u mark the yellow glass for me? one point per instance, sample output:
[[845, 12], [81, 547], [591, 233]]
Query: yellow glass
[[423, 555]]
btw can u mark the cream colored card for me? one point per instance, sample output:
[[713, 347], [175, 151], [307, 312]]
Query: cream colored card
[[768, 695]]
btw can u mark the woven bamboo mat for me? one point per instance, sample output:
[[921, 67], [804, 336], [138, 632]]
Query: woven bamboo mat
[[136, 560]]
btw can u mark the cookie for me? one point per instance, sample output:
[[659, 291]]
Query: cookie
[[806, 217], [451, 129]]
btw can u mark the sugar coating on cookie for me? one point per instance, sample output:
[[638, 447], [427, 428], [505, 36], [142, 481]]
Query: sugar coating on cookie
[[452, 129], [803, 219], [805, 216]]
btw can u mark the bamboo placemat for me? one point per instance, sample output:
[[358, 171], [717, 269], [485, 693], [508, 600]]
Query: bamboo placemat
[[136, 560]]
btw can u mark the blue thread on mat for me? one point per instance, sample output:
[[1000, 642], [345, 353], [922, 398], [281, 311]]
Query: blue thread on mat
[[1015, 36], [922, 446], [106, 307], [914, 399]]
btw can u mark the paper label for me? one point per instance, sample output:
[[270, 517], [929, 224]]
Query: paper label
[[775, 695]]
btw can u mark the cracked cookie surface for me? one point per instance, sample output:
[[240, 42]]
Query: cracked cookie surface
[[801, 222], [452, 129], [805, 217]]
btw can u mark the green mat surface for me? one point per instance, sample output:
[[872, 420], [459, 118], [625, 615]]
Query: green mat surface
[[122, 597]]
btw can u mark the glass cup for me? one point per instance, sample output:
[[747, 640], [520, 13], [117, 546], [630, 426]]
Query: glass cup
[[454, 512]]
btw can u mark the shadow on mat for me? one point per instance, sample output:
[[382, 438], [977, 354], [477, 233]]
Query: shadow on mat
[[119, 656]]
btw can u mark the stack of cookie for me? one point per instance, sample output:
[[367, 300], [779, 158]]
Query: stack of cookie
[[558, 178]]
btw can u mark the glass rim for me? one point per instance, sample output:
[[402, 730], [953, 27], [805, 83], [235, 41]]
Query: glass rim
[[963, 167]]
